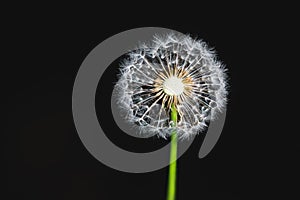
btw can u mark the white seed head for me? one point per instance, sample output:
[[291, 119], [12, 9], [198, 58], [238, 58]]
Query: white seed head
[[172, 70], [173, 86]]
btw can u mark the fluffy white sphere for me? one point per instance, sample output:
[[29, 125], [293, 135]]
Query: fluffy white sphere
[[172, 70]]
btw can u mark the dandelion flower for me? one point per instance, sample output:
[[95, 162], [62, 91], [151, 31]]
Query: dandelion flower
[[172, 87], [173, 71]]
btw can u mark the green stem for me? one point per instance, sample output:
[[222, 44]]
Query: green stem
[[173, 158]]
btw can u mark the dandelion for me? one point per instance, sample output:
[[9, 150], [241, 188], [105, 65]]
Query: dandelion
[[172, 87]]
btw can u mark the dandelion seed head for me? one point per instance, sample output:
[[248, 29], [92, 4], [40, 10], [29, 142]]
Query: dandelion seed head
[[172, 70], [173, 86]]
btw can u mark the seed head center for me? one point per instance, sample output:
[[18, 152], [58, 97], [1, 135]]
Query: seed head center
[[173, 86]]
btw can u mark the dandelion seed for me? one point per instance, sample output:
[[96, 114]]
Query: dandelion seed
[[175, 71]]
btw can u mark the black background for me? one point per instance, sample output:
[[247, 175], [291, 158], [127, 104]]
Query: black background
[[43, 155]]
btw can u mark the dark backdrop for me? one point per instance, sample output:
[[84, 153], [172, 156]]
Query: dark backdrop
[[44, 157]]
